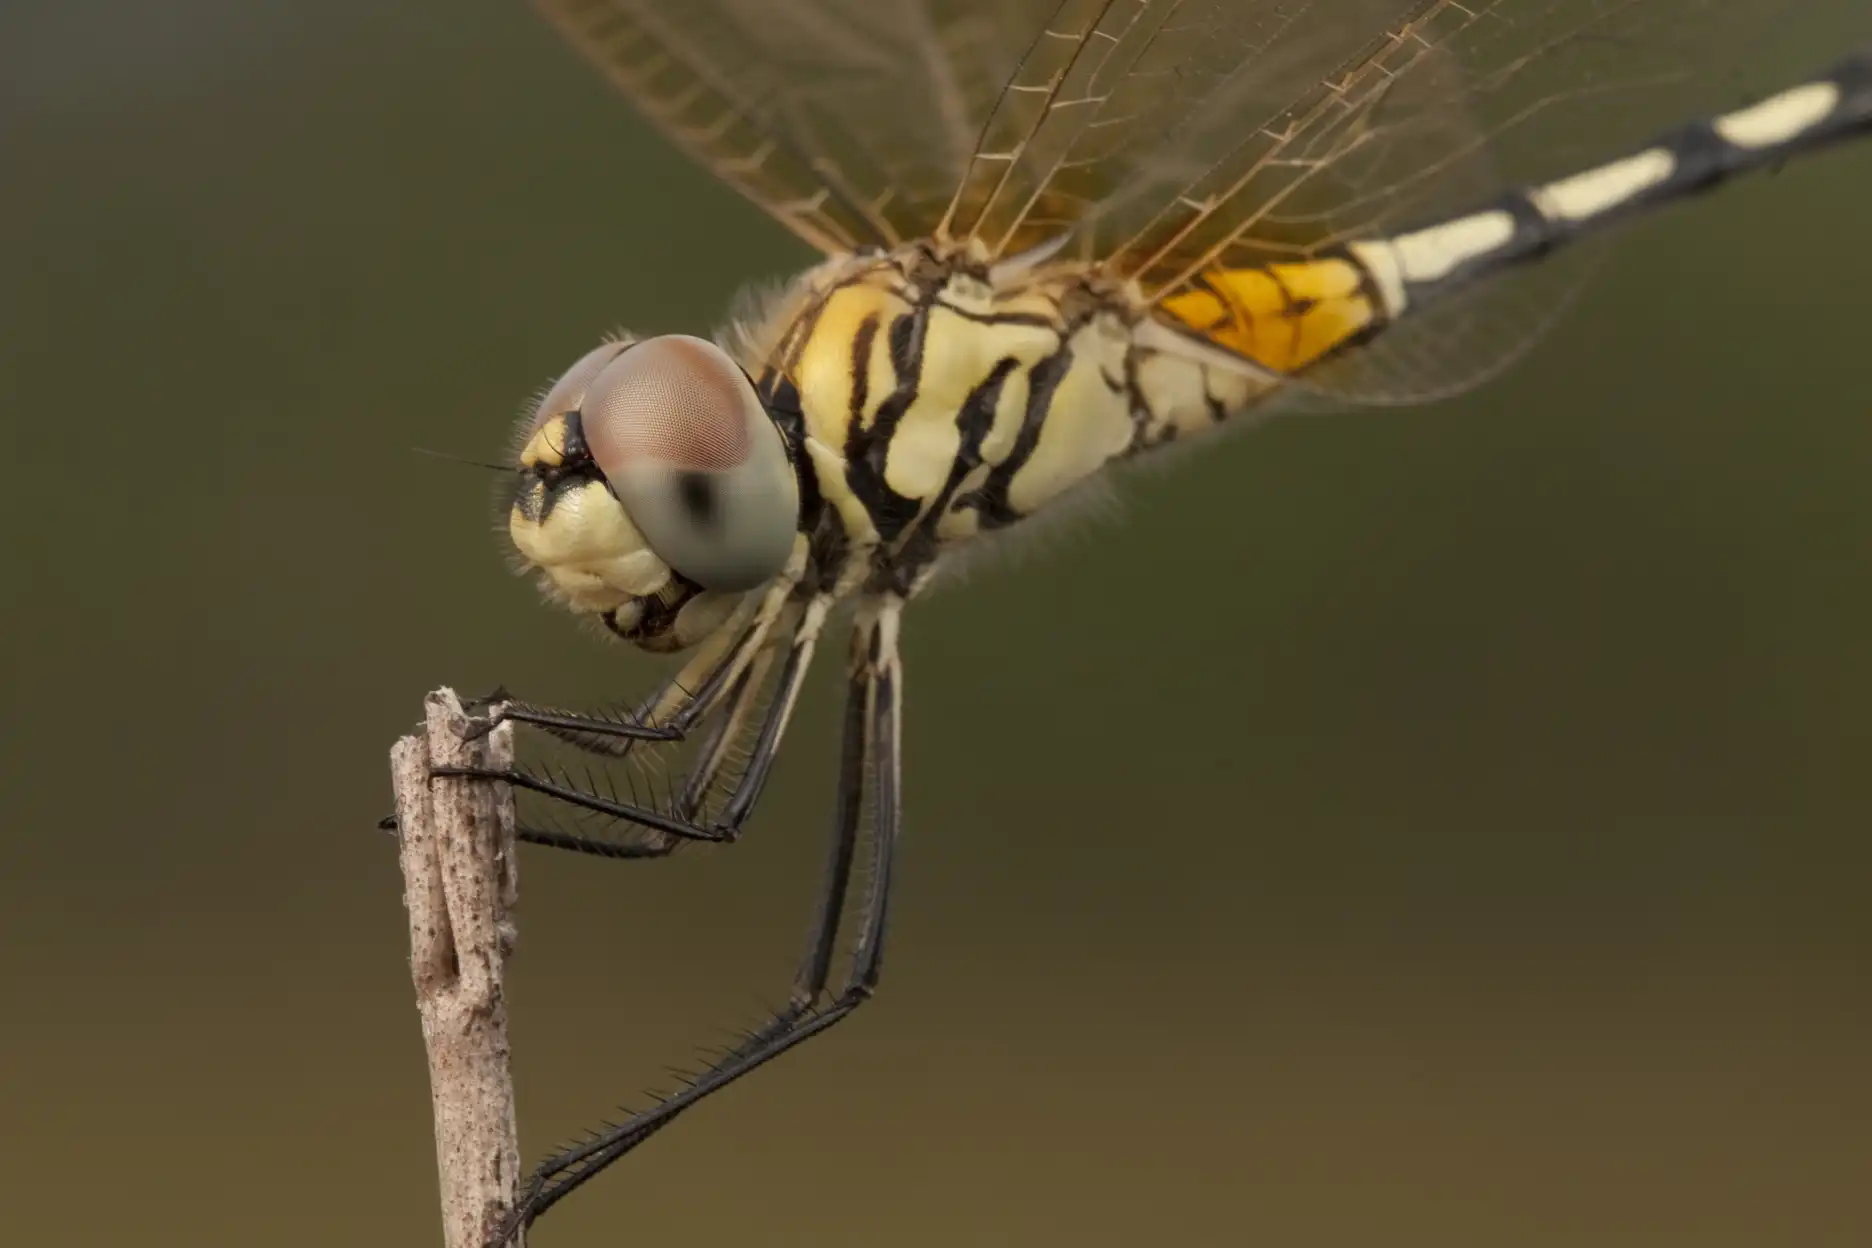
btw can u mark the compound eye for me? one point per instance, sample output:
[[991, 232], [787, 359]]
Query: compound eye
[[677, 430], [569, 391]]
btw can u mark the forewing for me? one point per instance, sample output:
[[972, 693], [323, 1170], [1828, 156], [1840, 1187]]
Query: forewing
[[850, 121]]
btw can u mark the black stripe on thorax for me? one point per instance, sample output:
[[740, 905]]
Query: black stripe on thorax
[[1033, 320], [974, 422], [867, 446], [781, 398], [1043, 380]]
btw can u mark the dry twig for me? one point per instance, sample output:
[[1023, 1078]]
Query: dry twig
[[459, 882]]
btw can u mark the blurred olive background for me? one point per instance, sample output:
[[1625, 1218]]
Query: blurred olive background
[[1433, 827]]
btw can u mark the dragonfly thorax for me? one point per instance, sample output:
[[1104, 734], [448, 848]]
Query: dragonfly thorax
[[940, 401]]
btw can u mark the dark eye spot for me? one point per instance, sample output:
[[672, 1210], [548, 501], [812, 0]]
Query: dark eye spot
[[697, 493]]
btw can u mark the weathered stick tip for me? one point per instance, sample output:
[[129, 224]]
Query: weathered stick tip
[[456, 850]]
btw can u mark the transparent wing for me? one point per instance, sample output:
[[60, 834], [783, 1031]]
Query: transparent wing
[[1169, 138], [1100, 86], [851, 121], [1172, 138], [1443, 109]]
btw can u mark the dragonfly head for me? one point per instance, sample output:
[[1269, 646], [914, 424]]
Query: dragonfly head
[[653, 489]]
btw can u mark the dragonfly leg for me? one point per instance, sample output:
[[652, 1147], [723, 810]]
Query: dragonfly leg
[[679, 820], [669, 714], [665, 718], [871, 752]]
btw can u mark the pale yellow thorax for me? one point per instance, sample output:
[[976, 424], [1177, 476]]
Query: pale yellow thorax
[[998, 403]]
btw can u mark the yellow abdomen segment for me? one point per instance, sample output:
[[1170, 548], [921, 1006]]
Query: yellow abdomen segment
[[1283, 317]]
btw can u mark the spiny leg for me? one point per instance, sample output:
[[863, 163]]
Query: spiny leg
[[872, 747], [809, 981], [724, 732], [669, 714], [725, 729], [681, 822], [717, 671]]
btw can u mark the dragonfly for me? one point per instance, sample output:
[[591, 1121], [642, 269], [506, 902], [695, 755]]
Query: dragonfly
[[1054, 237]]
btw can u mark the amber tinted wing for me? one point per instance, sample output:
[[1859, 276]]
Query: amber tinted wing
[[851, 121]]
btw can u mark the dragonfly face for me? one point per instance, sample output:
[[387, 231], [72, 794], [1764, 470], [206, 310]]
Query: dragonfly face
[[1057, 235], [653, 489]]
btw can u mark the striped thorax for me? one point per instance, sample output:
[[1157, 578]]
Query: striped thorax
[[940, 399]]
